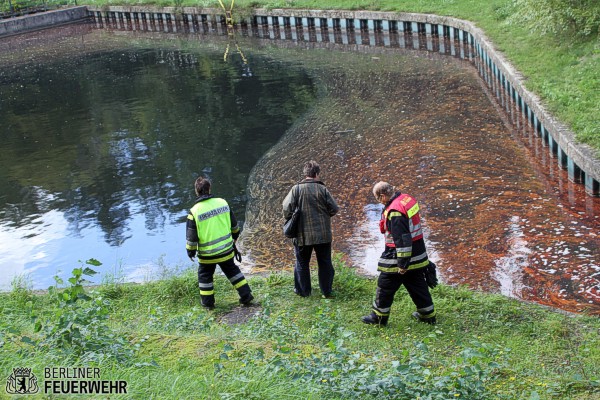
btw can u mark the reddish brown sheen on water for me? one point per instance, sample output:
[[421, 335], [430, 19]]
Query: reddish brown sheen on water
[[500, 215]]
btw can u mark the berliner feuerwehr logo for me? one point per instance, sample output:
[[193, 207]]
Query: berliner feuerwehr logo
[[22, 381]]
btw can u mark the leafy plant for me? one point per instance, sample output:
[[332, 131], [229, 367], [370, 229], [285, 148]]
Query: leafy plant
[[277, 278], [76, 326], [347, 280], [193, 321], [21, 291], [340, 372], [574, 17], [178, 289]]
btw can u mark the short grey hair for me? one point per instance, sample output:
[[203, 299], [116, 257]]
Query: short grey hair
[[383, 188], [311, 169]]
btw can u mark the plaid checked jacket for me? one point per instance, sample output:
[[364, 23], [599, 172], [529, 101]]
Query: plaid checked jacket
[[317, 206]]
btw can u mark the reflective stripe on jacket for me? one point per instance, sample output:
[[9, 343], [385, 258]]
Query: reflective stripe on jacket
[[215, 230], [401, 225]]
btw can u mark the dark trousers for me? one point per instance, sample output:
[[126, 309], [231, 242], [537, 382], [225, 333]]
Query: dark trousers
[[414, 282], [302, 283], [232, 272]]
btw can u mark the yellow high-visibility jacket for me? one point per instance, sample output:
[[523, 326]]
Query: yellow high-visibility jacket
[[211, 230]]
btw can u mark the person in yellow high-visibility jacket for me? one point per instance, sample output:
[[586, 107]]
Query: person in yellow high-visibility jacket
[[211, 232]]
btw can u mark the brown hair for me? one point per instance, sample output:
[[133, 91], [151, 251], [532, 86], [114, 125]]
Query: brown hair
[[202, 186], [311, 169]]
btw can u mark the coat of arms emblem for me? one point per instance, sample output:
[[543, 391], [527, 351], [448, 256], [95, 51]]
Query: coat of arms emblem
[[22, 381]]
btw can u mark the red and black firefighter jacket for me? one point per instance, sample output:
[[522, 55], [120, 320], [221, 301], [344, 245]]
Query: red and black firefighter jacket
[[404, 244]]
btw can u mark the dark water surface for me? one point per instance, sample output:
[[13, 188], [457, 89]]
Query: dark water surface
[[102, 138], [104, 131]]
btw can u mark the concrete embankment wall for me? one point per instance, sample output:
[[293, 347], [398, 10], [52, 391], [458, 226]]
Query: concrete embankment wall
[[42, 20]]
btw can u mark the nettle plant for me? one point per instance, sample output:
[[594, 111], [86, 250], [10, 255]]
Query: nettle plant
[[77, 327]]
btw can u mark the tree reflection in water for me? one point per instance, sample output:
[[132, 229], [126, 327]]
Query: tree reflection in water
[[109, 135]]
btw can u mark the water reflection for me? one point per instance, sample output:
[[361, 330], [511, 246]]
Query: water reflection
[[40, 242], [102, 138], [509, 269]]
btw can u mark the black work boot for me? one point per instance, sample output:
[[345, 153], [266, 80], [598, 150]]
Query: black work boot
[[374, 319], [246, 300], [418, 317], [209, 306]]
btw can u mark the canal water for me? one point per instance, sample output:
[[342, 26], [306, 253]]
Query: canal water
[[102, 138], [104, 130]]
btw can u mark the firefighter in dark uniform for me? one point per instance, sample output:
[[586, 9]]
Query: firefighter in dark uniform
[[404, 258], [211, 232]]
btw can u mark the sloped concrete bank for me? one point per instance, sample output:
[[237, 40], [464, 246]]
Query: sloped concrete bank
[[14, 26]]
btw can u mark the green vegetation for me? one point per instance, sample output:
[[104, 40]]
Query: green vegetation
[[157, 338]]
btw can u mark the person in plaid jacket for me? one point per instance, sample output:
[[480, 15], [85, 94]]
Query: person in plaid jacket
[[317, 206]]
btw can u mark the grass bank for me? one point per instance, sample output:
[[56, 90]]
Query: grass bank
[[157, 338]]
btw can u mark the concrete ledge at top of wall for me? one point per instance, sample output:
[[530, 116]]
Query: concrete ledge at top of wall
[[13, 26]]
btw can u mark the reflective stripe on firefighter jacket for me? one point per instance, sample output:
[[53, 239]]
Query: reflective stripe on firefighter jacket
[[215, 230], [401, 225]]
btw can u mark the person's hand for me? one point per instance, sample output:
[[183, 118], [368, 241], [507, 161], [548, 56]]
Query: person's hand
[[191, 254], [402, 266], [237, 254], [382, 225]]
